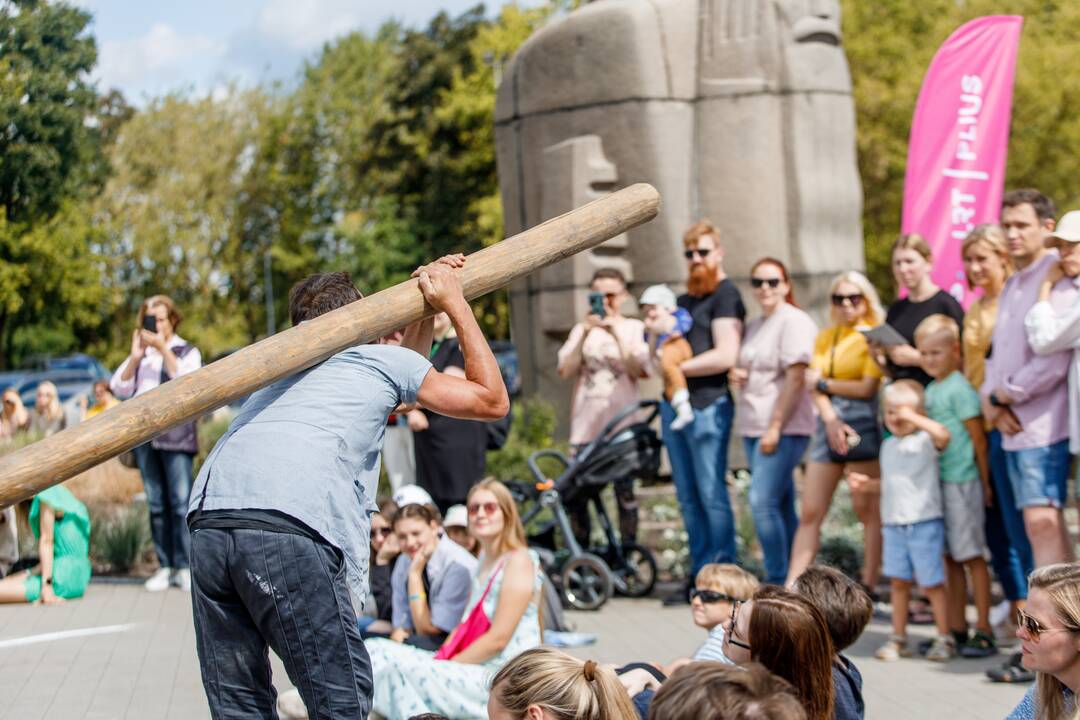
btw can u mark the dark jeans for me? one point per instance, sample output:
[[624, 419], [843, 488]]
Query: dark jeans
[[254, 589], [1006, 536], [166, 476]]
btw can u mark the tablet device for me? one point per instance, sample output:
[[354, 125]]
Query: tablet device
[[885, 335]]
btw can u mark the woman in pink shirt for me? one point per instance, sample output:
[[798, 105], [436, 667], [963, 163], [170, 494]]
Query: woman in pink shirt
[[606, 355], [774, 414]]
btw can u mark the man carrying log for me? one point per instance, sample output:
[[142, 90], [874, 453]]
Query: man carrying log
[[279, 512]]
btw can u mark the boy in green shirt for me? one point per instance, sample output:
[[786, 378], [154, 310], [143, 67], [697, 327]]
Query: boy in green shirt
[[965, 479]]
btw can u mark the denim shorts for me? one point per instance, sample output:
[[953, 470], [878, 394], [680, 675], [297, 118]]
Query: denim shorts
[[915, 552], [1039, 476]]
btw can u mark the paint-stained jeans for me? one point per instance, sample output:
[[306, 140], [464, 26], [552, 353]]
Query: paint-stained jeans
[[255, 589]]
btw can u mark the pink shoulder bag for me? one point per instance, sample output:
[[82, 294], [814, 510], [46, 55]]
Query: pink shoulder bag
[[475, 625]]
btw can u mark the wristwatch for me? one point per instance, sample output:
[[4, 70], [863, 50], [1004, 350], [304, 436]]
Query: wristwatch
[[822, 386], [48, 581], [995, 402]]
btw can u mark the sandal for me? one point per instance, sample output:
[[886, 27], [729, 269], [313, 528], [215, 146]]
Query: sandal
[[1012, 672], [979, 645]]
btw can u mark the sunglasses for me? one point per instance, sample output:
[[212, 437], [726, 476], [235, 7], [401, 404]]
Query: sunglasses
[[771, 282], [711, 596], [489, 508], [734, 619], [380, 532], [1034, 629], [689, 254], [839, 300]]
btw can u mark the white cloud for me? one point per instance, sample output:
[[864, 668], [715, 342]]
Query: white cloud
[[158, 60], [307, 25]]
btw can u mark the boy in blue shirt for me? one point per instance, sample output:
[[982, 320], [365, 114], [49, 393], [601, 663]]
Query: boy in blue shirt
[[965, 480]]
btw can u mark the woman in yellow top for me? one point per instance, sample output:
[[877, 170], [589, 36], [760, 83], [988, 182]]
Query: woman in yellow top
[[988, 265], [843, 379]]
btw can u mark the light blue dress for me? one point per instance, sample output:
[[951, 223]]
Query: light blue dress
[[410, 681]]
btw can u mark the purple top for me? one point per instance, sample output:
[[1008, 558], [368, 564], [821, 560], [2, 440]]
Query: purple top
[[1036, 383]]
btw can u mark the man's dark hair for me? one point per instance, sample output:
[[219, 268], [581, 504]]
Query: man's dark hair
[[318, 294], [846, 606], [734, 692], [1042, 205], [608, 274]]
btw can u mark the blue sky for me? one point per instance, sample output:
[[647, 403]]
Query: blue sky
[[149, 47]]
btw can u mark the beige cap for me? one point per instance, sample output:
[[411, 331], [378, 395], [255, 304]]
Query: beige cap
[[1067, 229]]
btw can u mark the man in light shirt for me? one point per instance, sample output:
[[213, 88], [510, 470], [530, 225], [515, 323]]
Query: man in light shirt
[[1024, 394], [1050, 331]]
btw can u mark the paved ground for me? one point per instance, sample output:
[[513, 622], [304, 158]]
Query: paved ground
[[140, 663]]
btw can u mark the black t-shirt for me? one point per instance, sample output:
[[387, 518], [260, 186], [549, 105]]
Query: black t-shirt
[[724, 302], [905, 315]]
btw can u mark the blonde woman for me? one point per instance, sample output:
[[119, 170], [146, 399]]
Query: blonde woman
[[911, 266], [14, 418], [48, 415], [988, 265], [1049, 633], [548, 684], [843, 379]]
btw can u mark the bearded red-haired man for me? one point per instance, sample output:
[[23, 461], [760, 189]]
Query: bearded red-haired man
[[698, 452]]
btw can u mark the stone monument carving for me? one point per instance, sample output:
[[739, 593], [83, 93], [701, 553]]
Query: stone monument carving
[[736, 110]]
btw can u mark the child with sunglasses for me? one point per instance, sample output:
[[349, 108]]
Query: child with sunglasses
[[717, 587]]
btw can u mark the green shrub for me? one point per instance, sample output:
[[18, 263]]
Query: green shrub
[[532, 428], [118, 542], [843, 553]]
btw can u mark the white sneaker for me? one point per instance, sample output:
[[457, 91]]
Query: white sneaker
[[159, 581], [182, 579], [290, 706], [1000, 613]]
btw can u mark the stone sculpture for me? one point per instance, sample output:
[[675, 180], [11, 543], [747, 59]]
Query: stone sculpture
[[739, 111]]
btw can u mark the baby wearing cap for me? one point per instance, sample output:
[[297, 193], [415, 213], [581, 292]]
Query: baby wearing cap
[[667, 323]]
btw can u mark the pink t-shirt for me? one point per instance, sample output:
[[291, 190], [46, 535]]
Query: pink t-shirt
[[770, 346], [603, 386]]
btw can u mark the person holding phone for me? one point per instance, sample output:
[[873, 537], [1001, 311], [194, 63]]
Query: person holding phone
[[158, 355], [605, 354]]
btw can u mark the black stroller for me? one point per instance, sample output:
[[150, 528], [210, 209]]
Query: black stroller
[[588, 577]]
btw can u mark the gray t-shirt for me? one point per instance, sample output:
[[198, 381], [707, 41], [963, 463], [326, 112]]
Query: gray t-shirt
[[309, 445], [910, 486], [450, 571]]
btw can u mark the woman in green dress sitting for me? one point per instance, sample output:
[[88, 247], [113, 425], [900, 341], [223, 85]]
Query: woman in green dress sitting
[[62, 526]]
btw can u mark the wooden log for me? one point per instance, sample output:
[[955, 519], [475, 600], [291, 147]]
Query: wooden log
[[45, 463]]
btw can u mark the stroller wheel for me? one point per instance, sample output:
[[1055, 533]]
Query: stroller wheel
[[586, 582], [636, 575]]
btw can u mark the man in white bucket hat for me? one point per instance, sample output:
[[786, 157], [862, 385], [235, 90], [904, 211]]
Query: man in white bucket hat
[[1051, 331]]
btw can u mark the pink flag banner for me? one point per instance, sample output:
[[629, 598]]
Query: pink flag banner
[[959, 141]]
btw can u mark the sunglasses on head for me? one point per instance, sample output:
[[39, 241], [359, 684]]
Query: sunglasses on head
[[689, 254], [380, 532], [1033, 627], [771, 282], [711, 596], [489, 508], [839, 300]]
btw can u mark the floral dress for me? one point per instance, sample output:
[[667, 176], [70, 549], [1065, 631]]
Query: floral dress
[[410, 681]]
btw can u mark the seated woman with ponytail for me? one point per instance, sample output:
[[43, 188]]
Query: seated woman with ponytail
[[547, 684], [431, 580]]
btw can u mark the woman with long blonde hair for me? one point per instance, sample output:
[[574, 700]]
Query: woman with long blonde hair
[[548, 684], [48, 415], [987, 265], [501, 620], [14, 418], [1049, 632], [843, 380]]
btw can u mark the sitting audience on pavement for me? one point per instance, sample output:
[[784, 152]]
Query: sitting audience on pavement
[[378, 608], [717, 588], [548, 684], [847, 610], [456, 527]]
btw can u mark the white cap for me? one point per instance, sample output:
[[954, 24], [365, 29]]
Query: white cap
[[456, 516], [658, 295], [412, 495], [1067, 229]]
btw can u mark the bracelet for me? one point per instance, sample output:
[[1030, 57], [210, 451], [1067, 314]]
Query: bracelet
[[417, 596]]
